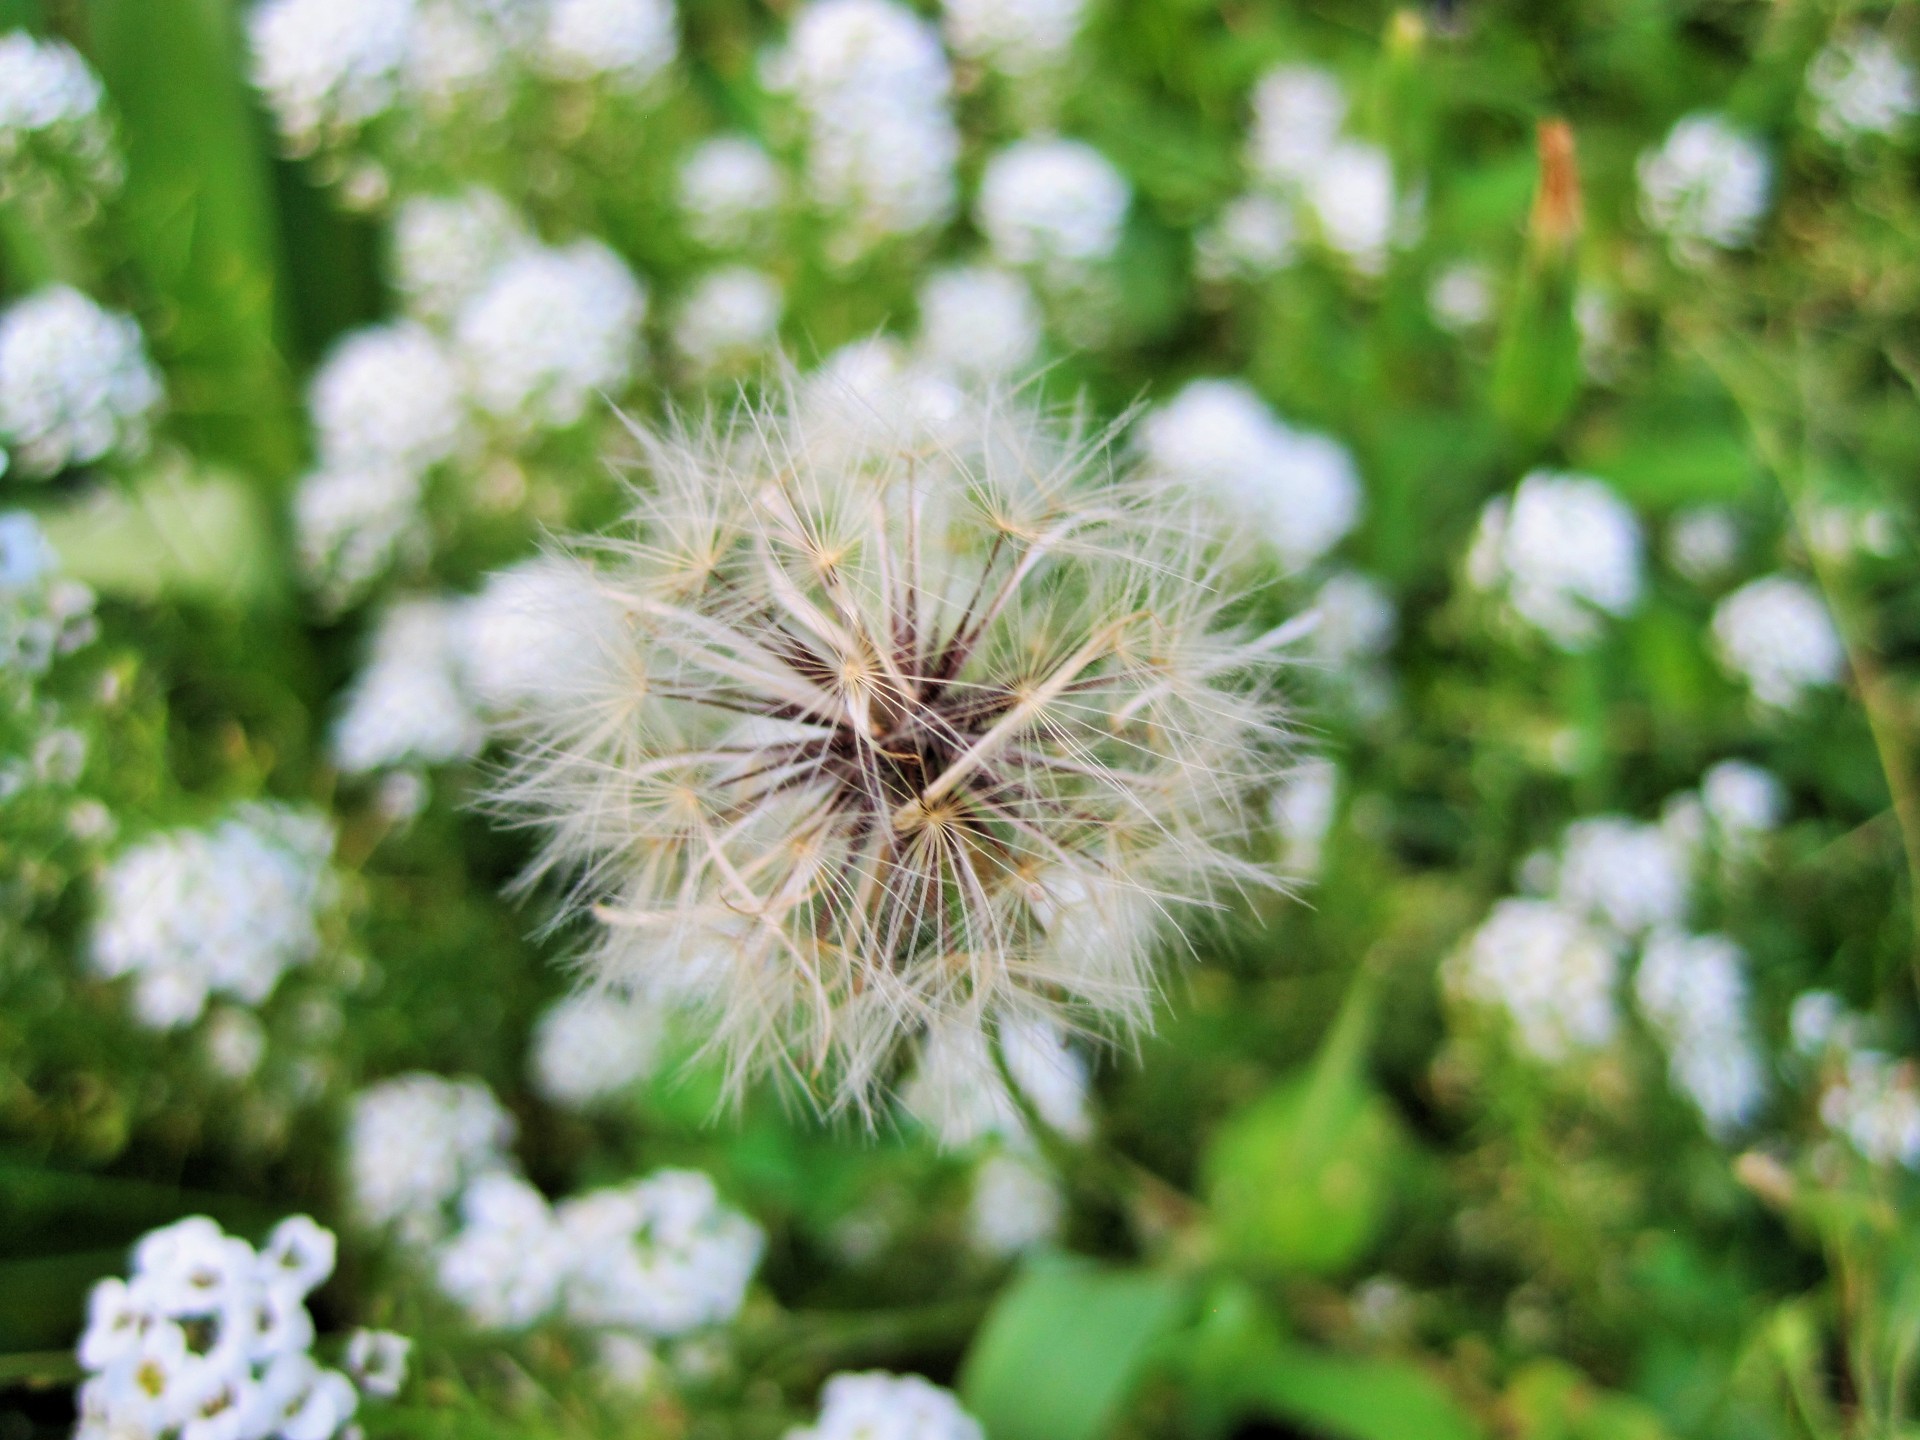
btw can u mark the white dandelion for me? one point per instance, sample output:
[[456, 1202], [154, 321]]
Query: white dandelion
[[902, 734]]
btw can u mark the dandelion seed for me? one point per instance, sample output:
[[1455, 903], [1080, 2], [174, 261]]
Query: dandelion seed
[[901, 734]]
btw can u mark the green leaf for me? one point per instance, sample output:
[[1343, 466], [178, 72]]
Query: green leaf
[[1299, 1181], [172, 534], [1351, 1398], [200, 222], [1062, 1348]]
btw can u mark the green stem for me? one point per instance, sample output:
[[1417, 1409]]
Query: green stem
[[807, 1344], [38, 1370]]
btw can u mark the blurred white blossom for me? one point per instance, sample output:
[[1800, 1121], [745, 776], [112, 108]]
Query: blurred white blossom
[[1253, 236], [728, 186], [1861, 85], [1016, 1205], [1625, 875], [1563, 551], [1018, 37], [76, 385], [1706, 187], [1058, 205], [407, 705], [1775, 633], [629, 42], [444, 247], [221, 911], [1703, 543], [1300, 490], [978, 321], [1554, 975], [508, 1260], [1461, 296], [414, 1143], [729, 318], [593, 1045], [878, 1406], [1692, 989], [386, 397]]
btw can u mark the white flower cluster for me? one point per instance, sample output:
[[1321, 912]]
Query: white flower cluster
[[1056, 205], [1355, 620], [1553, 974], [1775, 633], [414, 1143], [1705, 188], [1867, 1095], [1703, 542], [209, 1338], [1303, 162], [408, 705], [50, 111], [1692, 989], [386, 397], [872, 82], [549, 330], [1563, 551], [877, 1406], [729, 185], [1461, 297], [76, 386], [1553, 962], [627, 42], [1299, 489], [978, 322], [1017, 37], [42, 615], [660, 1258], [443, 248], [730, 318], [221, 911], [593, 1045], [1861, 85], [327, 67]]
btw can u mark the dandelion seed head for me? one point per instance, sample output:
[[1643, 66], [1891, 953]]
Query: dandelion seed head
[[898, 727]]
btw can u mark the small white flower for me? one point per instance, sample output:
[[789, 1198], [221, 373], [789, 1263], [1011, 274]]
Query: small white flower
[[731, 316], [1016, 1205], [507, 1262], [1302, 809], [728, 186], [1351, 194], [533, 634], [350, 525], [1705, 188], [549, 331], [1298, 112], [444, 247], [1355, 617], [50, 110], [414, 1142], [664, 1256], [592, 1046], [328, 65], [1861, 85], [387, 398], [75, 383], [377, 1360], [1563, 551], [978, 322], [1554, 976], [1299, 489], [879, 1406], [627, 41], [1253, 236], [1625, 875], [407, 704], [235, 1042], [1742, 800], [1017, 37], [1052, 203], [873, 83], [226, 911], [1875, 1103], [1692, 989], [1776, 634], [1461, 296], [1703, 543]]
